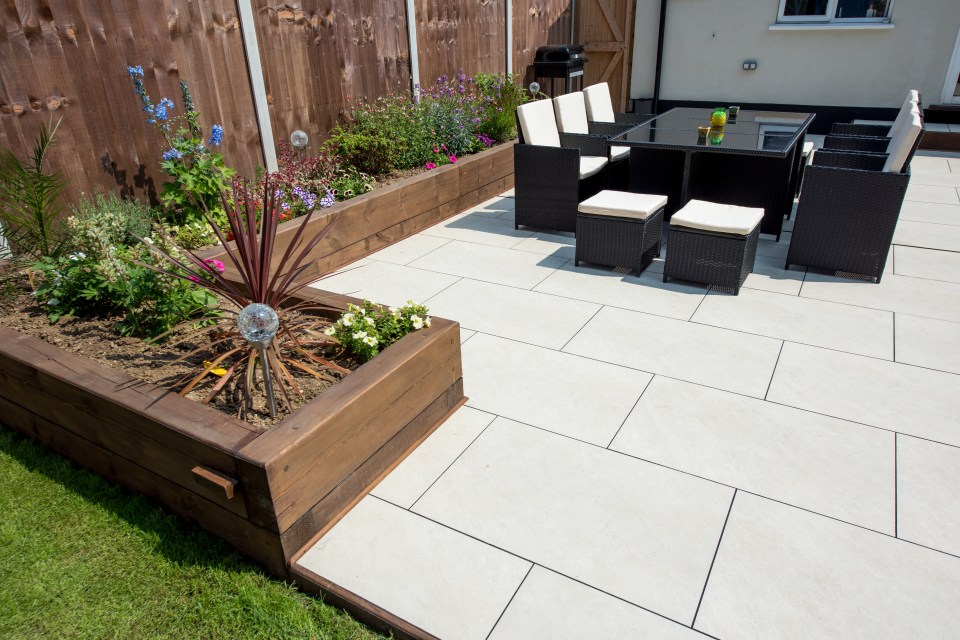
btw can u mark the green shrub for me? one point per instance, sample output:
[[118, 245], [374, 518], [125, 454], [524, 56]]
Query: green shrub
[[107, 271], [368, 152], [500, 97]]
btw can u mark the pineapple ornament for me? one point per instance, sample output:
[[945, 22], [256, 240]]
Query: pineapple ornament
[[718, 118]]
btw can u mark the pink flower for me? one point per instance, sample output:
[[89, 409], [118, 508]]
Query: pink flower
[[453, 158], [443, 146], [216, 264], [193, 278], [436, 149], [430, 165]]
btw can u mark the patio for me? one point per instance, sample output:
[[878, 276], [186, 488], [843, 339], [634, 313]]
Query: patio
[[639, 459]]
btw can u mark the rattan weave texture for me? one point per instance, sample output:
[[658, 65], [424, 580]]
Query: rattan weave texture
[[718, 259], [618, 242]]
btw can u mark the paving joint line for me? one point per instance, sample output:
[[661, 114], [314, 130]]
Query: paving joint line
[[510, 601], [713, 561]]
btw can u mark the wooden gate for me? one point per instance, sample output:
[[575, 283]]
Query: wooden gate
[[605, 28]]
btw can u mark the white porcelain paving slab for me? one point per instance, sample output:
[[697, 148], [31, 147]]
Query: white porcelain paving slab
[[482, 229], [490, 264], [769, 275], [573, 396], [927, 263], [903, 294], [927, 193], [494, 207], [715, 357], [636, 530], [945, 237], [928, 481], [549, 605], [832, 325], [466, 334], [937, 179], [508, 312], [646, 292], [409, 249], [823, 464], [549, 244], [446, 583], [405, 484], [770, 248], [788, 574], [509, 193], [883, 394], [930, 164], [386, 283], [930, 212], [934, 344]]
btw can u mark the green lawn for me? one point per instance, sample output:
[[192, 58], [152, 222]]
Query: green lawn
[[81, 558]]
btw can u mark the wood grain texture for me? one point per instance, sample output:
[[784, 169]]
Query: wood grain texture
[[537, 23], [605, 28], [317, 56], [69, 59], [460, 35]]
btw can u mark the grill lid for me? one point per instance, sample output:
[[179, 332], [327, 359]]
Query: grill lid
[[559, 53]]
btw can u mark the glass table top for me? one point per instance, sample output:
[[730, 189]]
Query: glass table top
[[760, 132]]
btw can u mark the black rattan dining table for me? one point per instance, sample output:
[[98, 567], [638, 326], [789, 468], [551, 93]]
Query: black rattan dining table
[[753, 161]]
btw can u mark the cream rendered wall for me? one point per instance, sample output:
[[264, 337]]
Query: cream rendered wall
[[644, 64], [706, 42]]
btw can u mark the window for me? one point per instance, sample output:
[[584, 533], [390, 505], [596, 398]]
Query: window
[[835, 11]]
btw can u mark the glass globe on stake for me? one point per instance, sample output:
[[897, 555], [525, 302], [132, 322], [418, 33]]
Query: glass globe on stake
[[258, 324]]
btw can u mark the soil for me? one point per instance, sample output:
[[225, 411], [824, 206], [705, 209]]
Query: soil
[[96, 338]]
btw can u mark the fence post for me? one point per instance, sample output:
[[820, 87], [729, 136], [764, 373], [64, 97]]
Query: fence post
[[509, 30], [414, 49], [248, 28]]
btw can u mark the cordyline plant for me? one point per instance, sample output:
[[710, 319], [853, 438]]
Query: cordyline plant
[[254, 231]]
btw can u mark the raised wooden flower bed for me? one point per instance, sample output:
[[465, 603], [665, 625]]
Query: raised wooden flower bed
[[266, 492], [391, 213]]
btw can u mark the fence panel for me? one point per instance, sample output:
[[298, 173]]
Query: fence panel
[[317, 54], [66, 58], [537, 23], [454, 35]]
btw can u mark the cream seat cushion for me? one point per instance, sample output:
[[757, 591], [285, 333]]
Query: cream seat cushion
[[623, 204], [538, 124], [571, 113], [901, 144], [599, 105], [589, 165], [720, 218], [616, 153]]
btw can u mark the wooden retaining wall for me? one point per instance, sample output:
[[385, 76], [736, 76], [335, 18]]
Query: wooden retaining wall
[[265, 492]]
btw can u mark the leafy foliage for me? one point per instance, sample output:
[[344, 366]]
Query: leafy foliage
[[108, 271], [369, 152], [30, 201], [366, 331], [500, 97]]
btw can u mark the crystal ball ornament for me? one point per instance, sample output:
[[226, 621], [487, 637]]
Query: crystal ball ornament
[[258, 323], [299, 139], [534, 88]]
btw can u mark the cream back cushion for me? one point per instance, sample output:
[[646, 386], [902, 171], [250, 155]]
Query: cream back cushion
[[902, 122], [538, 124], [902, 143], [599, 105], [571, 112]]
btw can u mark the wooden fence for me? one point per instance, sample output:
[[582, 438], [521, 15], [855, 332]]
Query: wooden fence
[[67, 59]]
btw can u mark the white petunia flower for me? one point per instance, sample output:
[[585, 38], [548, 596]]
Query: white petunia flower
[[331, 330], [369, 321], [426, 322], [417, 321], [370, 340], [360, 335], [348, 319]]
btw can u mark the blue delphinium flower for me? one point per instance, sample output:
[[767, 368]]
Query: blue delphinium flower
[[135, 71], [161, 112], [216, 136], [171, 154]]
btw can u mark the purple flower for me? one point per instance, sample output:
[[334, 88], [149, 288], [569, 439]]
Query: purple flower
[[171, 154], [328, 199], [216, 136], [161, 111]]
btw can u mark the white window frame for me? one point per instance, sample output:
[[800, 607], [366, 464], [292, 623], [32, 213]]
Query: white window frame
[[828, 17]]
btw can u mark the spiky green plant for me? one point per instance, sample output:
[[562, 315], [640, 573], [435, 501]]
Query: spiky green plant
[[251, 259], [30, 201]]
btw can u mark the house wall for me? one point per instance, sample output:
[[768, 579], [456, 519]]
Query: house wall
[[706, 42]]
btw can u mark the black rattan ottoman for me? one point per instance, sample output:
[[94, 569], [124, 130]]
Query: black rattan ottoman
[[620, 229], [713, 243]]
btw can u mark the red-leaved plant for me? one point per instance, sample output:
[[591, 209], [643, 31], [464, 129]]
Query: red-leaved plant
[[254, 231]]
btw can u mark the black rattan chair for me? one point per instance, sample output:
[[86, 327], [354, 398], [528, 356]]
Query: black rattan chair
[[850, 205], [871, 138], [553, 171], [571, 114]]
